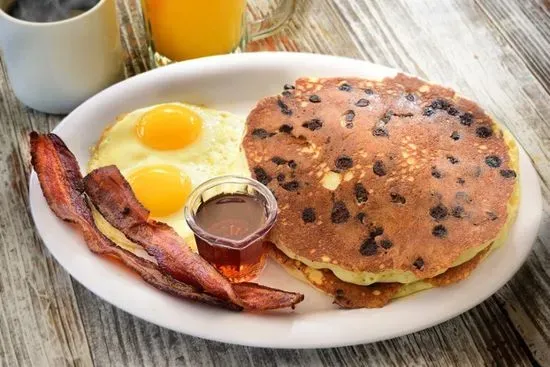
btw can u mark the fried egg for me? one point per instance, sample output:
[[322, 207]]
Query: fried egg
[[164, 152]]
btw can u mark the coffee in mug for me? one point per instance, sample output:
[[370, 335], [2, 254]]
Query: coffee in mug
[[58, 53], [44, 11]]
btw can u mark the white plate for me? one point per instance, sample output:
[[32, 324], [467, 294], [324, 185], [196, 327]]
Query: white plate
[[235, 83]]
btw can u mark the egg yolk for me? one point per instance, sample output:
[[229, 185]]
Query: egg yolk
[[162, 189], [169, 127]]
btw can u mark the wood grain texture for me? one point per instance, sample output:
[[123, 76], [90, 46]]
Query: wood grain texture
[[494, 51], [39, 319]]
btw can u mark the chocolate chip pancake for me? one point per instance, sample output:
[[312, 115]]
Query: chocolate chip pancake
[[382, 181], [349, 295]]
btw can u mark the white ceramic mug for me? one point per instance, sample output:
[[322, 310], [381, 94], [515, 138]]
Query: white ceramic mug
[[53, 67]]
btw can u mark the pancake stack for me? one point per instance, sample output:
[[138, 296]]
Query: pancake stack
[[385, 187]]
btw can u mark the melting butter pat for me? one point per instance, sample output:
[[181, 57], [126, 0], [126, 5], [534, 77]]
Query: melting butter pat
[[331, 180]]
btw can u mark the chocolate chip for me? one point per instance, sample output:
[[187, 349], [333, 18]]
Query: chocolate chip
[[452, 111], [436, 173], [368, 247], [286, 128], [369, 91], [362, 102], [379, 168], [286, 93], [397, 198], [278, 160], [440, 104], [508, 173], [314, 98], [428, 111], [466, 119], [387, 117], [308, 215], [406, 114], [349, 115], [484, 132], [340, 213], [361, 217], [460, 181], [291, 186], [262, 176], [455, 135], [439, 212], [260, 133], [376, 231], [361, 194], [380, 131], [458, 211], [287, 112], [284, 108], [292, 164], [452, 159], [386, 244], [345, 87], [493, 161], [491, 215], [126, 211], [281, 177], [343, 162], [419, 263], [288, 86], [439, 231], [410, 97], [313, 124]]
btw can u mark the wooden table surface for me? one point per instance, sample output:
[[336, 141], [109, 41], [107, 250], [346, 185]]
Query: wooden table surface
[[495, 51]]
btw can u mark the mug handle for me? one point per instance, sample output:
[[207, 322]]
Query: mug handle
[[270, 24]]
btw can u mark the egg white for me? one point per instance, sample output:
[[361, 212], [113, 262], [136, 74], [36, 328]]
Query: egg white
[[216, 152]]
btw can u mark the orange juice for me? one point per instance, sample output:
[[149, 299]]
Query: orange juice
[[187, 29]]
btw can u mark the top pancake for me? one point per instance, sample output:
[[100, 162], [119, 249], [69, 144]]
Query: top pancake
[[395, 180]]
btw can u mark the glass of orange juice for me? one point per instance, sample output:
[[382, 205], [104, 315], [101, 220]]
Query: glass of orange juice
[[179, 30]]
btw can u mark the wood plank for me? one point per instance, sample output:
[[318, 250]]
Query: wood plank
[[526, 27], [133, 37], [39, 322]]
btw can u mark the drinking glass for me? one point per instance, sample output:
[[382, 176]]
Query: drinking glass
[[179, 30]]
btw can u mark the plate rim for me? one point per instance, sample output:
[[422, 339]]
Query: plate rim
[[184, 67]]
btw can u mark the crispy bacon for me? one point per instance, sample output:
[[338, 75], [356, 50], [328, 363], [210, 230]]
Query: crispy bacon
[[61, 183], [113, 197]]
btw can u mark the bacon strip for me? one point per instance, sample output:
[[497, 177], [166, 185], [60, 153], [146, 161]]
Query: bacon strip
[[113, 197], [61, 183]]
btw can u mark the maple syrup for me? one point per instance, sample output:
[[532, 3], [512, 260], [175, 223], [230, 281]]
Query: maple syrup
[[230, 228]]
